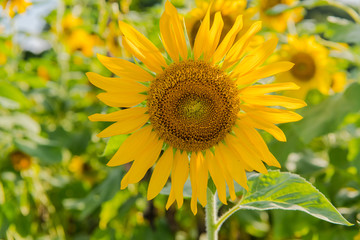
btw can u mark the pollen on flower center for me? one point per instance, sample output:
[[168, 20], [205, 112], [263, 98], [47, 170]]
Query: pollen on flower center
[[304, 68], [193, 105]]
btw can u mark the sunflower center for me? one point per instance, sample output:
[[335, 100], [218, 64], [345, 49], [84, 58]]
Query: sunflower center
[[228, 23], [193, 105], [304, 68]]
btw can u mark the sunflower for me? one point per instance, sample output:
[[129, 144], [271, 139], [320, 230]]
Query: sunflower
[[313, 69], [15, 6], [229, 10], [196, 113], [278, 22]]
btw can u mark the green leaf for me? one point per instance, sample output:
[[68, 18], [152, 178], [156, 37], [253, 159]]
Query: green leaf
[[11, 92], [113, 144], [102, 193], [287, 191], [47, 154], [338, 31], [280, 8], [328, 115]]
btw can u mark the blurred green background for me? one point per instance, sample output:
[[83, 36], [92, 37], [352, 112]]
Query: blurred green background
[[54, 182]]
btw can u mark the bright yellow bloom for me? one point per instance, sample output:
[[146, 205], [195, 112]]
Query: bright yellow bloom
[[229, 9], [278, 22], [14, 6], [76, 38], [70, 22], [196, 113], [313, 69], [81, 40]]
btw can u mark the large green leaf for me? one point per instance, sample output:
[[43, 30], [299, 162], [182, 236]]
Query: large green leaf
[[282, 190]]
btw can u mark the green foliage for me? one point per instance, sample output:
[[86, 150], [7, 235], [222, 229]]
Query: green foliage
[[288, 191], [54, 182]]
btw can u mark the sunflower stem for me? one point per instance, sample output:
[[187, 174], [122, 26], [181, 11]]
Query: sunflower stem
[[211, 216]]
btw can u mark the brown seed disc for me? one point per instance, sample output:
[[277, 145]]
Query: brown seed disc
[[304, 68], [193, 105]]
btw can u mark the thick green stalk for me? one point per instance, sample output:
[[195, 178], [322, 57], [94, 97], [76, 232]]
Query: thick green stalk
[[211, 216]]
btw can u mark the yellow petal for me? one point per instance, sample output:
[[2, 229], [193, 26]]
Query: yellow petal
[[214, 36], [228, 40], [259, 123], [142, 48], [233, 165], [115, 84], [143, 161], [119, 115], [202, 36], [268, 88], [258, 142], [171, 198], [262, 72], [193, 179], [160, 174], [172, 33], [216, 175], [124, 126], [237, 50], [202, 178], [229, 181], [272, 100], [125, 69], [246, 154], [257, 56], [131, 147], [179, 175], [123, 99], [272, 115]]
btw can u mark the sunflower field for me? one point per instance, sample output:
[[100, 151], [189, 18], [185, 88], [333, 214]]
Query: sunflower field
[[180, 119]]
